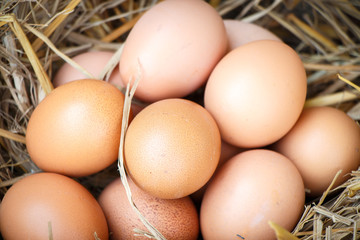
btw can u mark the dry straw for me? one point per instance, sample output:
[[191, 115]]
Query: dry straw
[[36, 37]]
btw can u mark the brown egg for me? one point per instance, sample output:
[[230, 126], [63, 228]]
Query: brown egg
[[173, 218], [250, 189], [172, 148], [240, 33], [49, 204], [173, 48], [76, 129], [323, 141], [94, 62], [256, 93]]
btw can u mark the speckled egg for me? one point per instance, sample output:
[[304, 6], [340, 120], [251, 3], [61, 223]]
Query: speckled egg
[[173, 218]]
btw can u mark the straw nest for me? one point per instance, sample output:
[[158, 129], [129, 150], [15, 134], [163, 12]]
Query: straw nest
[[38, 36]]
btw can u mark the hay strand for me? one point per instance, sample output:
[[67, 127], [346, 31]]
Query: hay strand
[[313, 33], [121, 30], [349, 82], [281, 233], [332, 99], [13, 136], [112, 63], [130, 91]]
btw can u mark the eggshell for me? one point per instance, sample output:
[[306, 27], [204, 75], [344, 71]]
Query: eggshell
[[173, 218], [44, 201], [240, 32], [172, 148], [173, 49], [93, 61], [250, 189], [323, 141], [256, 93], [76, 129]]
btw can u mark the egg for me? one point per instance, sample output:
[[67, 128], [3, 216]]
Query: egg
[[323, 141], [173, 218], [93, 61], [240, 32], [173, 49], [250, 189], [172, 148], [256, 93], [76, 129], [51, 206]]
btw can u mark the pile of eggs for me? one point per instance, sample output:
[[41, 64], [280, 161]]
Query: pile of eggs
[[246, 154]]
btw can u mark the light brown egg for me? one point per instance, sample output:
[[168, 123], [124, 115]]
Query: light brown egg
[[76, 129], [173, 218], [250, 189], [172, 148], [93, 61], [256, 93], [48, 204], [173, 47], [240, 33], [323, 141]]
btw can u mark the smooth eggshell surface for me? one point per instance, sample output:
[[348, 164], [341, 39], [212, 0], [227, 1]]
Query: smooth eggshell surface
[[250, 189], [45, 200], [76, 129], [256, 93], [94, 62], [173, 218], [173, 48], [172, 148], [240, 33], [322, 142]]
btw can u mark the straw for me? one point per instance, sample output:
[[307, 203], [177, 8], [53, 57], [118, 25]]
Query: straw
[[282, 233], [125, 121], [121, 30], [12, 136]]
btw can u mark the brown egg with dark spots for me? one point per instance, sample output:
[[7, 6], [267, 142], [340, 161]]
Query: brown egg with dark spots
[[173, 218]]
